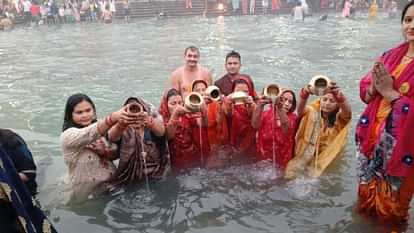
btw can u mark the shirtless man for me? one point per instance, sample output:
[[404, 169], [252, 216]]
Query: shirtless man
[[183, 76]]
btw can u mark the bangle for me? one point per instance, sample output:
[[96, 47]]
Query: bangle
[[304, 94], [108, 120]]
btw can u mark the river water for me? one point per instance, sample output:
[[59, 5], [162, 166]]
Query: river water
[[41, 66]]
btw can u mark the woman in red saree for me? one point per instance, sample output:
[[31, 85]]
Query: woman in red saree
[[187, 139], [383, 133], [277, 128], [242, 134], [217, 124]]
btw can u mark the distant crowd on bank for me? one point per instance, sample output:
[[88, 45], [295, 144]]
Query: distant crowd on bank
[[37, 12]]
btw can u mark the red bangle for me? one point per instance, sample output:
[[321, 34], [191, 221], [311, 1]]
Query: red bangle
[[340, 98], [303, 93]]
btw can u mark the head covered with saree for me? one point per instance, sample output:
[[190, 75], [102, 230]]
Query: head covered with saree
[[240, 80], [19, 212], [138, 100], [195, 86], [164, 110], [133, 147], [283, 98]]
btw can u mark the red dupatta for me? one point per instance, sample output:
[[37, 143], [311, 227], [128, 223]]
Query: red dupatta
[[242, 133], [185, 146]]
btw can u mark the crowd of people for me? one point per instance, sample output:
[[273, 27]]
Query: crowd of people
[[206, 123], [201, 124], [349, 7], [193, 127], [69, 11], [52, 12]]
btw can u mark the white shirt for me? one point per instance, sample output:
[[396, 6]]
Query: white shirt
[[298, 13], [26, 6]]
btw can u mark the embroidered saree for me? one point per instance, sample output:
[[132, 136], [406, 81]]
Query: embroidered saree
[[384, 144]]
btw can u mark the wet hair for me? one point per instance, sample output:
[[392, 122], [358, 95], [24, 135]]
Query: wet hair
[[404, 11], [191, 48], [332, 118], [130, 100], [70, 106], [239, 81], [139, 101], [197, 82], [172, 92], [298, 3], [233, 54]]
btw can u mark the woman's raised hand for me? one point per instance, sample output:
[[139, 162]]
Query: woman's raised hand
[[383, 81], [262, 101], [123, 116]]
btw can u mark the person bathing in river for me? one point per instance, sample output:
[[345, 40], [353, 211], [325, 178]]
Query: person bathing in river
[[239, 108], [142, 146], [22, 158], [106, 16], [19, 212], [186, 134], [217, 124], [276, 127], [87, 157], [183, 77], [373, 10], [218, 134], [347, 9], [322, 131]]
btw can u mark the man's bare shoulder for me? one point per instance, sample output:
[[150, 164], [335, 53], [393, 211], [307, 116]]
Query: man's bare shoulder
[[204, 69], [177, 72]]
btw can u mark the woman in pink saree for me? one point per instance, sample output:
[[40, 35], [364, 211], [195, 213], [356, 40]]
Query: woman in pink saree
[[383, 133], [346, 11]]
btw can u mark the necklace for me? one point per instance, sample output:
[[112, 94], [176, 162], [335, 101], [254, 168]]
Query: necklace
[[408, 56]]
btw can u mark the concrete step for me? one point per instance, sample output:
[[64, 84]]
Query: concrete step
[[177, 8]]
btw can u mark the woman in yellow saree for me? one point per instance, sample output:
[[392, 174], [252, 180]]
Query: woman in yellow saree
[[322, 132]]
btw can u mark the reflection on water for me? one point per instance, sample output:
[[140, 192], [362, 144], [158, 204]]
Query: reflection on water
[[40, 67]]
